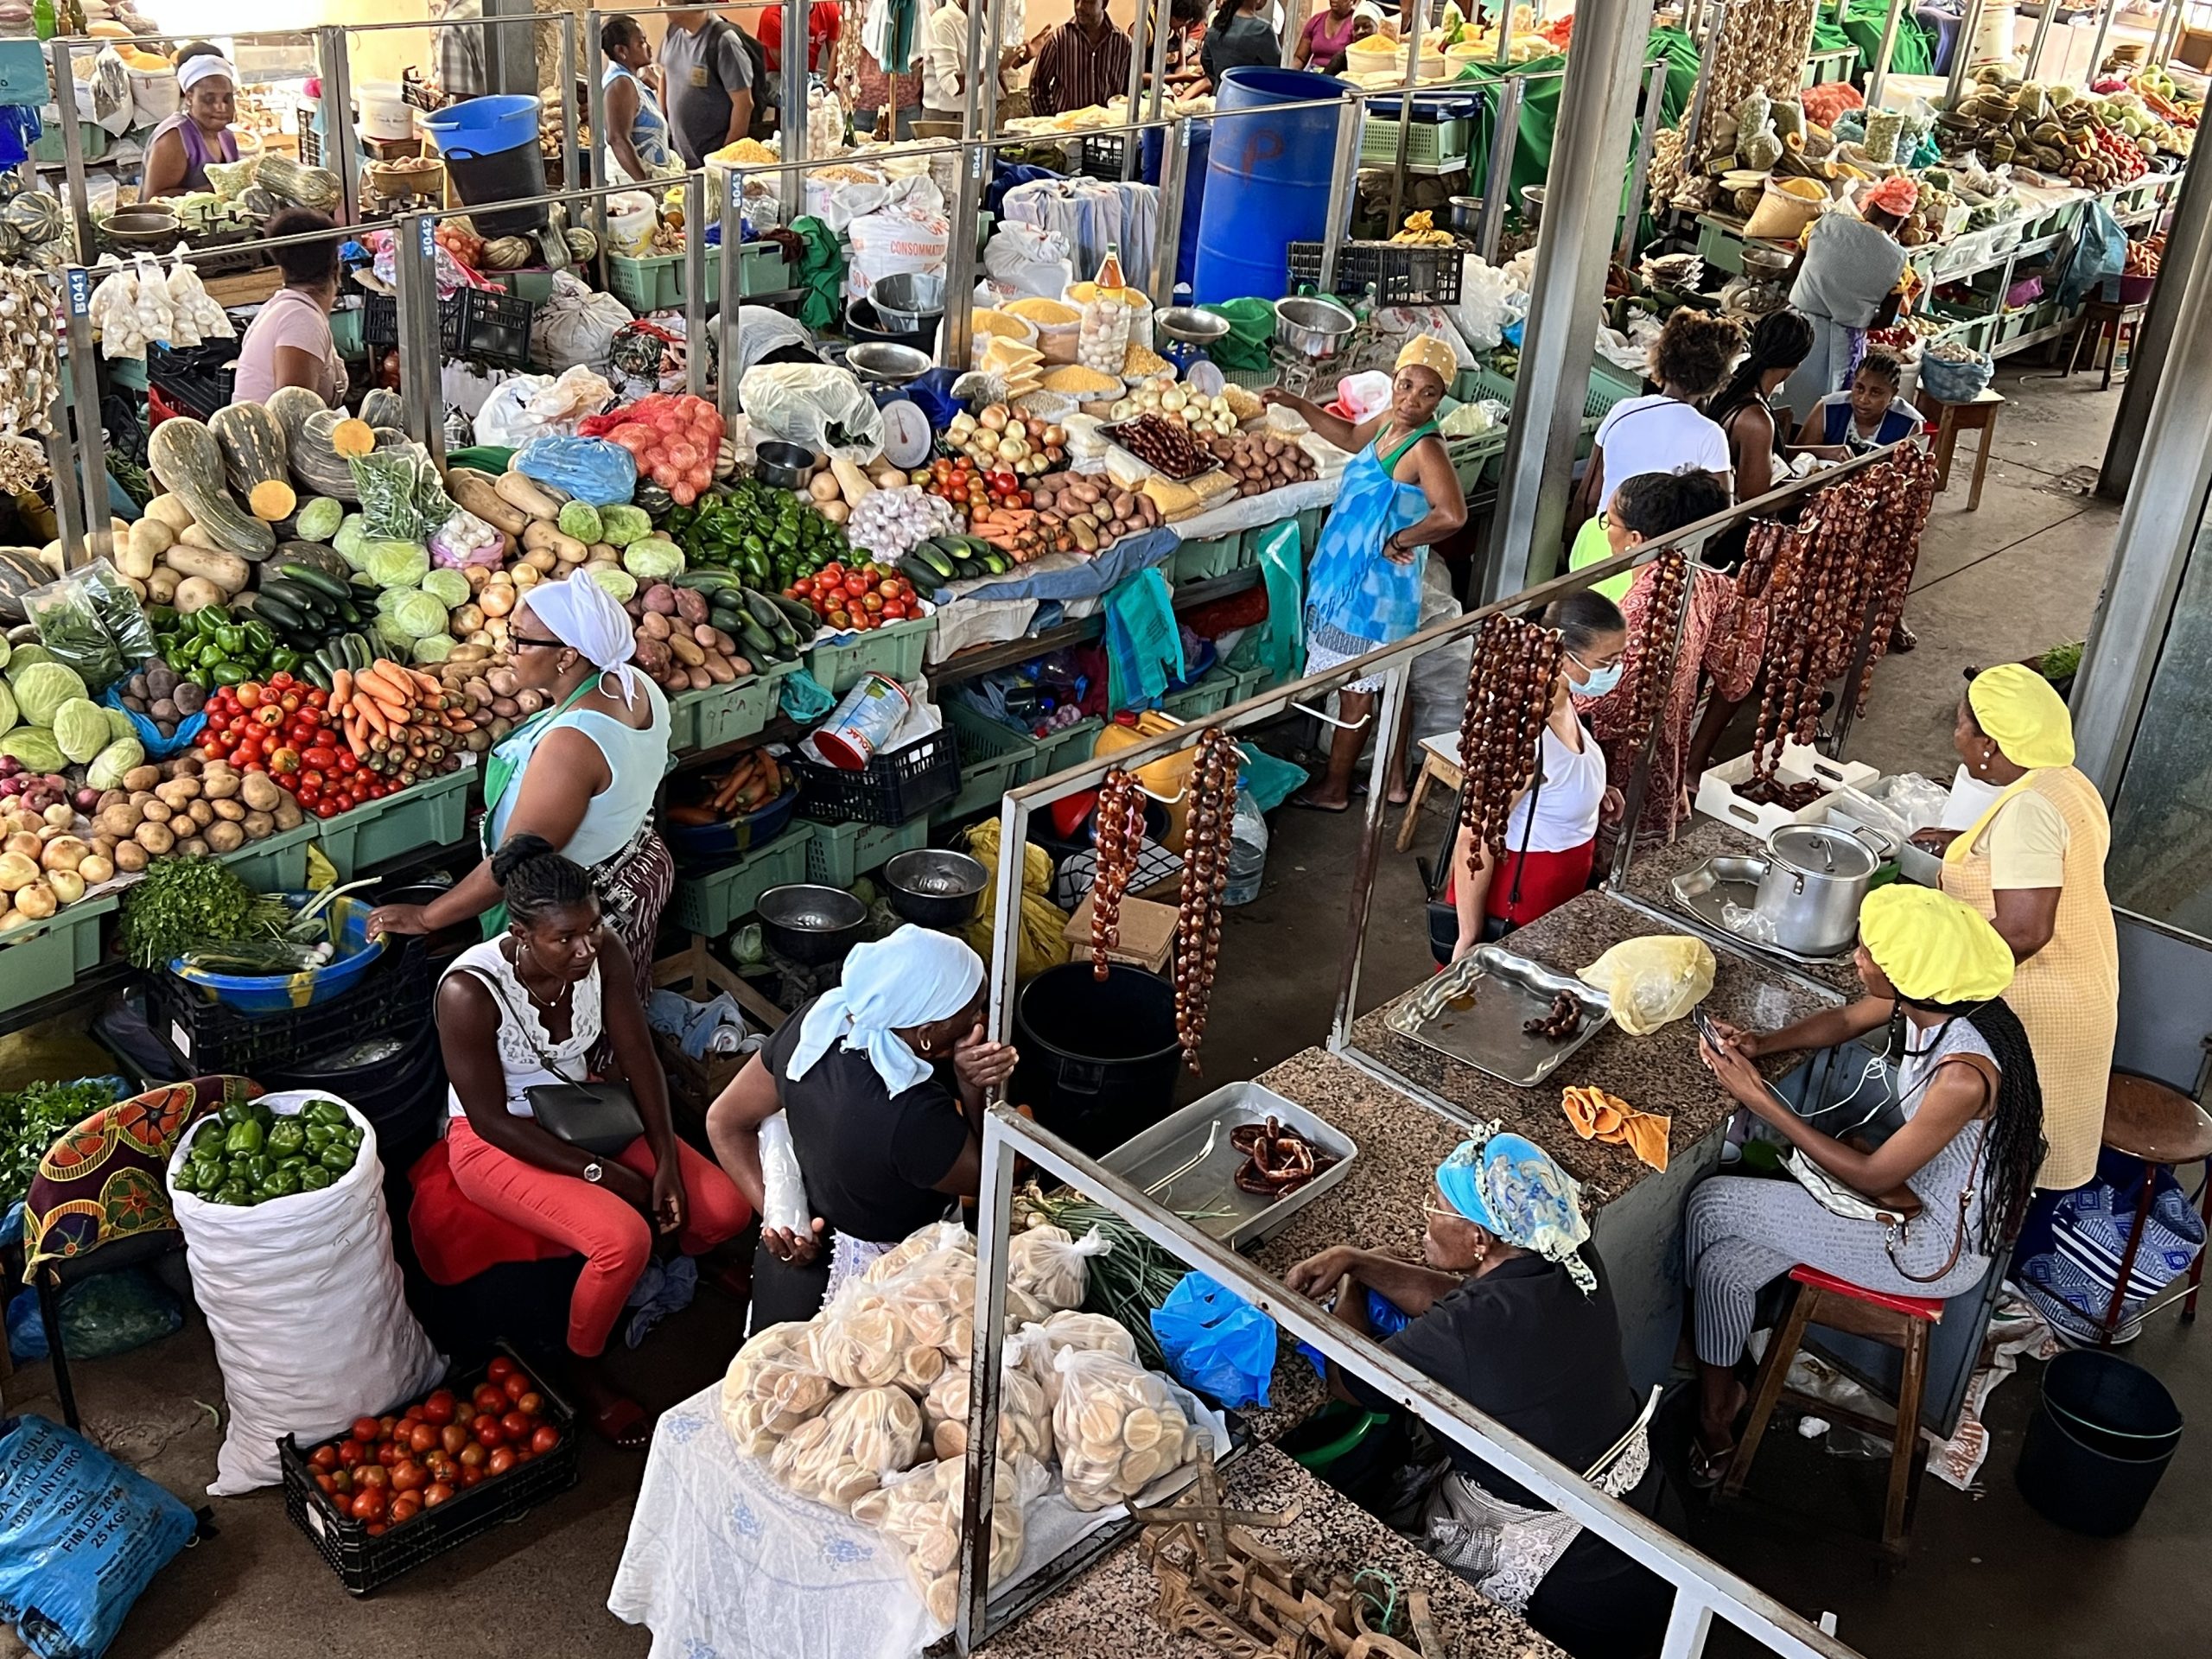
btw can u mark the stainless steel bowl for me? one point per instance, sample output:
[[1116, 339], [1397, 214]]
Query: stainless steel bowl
[[141, 227], [1187, 322], [934, 888], [880, 363], [1465, 213], [813, 926], [1532, 204], [1312, 327], [786, 465]]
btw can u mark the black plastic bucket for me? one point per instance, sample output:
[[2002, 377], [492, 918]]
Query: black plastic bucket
[[503, 175], [402, 1095], [2103, 1433], [1098, 1057]]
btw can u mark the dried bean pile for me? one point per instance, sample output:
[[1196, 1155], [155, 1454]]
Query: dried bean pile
[[1644, 687], [1509, 697], [1121, 834], [1205, 876]]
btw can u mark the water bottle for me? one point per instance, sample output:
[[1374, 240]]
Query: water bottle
[[1248, 851]]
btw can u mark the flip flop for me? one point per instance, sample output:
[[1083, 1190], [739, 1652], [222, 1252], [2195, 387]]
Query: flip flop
[[1709, 1469], [622, 1423], [1300, 802]]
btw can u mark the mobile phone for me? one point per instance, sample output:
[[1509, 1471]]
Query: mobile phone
[[1706, 1029]]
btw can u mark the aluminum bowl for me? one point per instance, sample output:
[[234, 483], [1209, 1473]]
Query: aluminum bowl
[[880, 363], [934, 888], [1464, 214], [787, 466], [1532, 205], [1188, 323], [1312, 327], [812, 926], [141, 227]]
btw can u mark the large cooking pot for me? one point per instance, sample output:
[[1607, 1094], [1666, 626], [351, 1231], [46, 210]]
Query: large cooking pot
[[1817, 874]]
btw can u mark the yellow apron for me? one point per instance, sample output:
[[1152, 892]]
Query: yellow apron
[[2068, 994]]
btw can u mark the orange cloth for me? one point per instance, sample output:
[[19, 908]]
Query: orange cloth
[[1597, 1116]]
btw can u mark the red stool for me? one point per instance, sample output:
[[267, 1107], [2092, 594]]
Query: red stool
[[1900, 1322]]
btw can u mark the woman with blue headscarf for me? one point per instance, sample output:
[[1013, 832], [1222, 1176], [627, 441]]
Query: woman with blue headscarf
[[1512, 1311], [885, 1142]]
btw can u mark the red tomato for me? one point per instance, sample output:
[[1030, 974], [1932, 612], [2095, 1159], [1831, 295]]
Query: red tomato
[[530, 1403], [544, 1440], [522, 1454], [516, 1384], [463, 1412], [365, 1428], [326, 809], [893, 611], [325, 1457], [325, 1482], [471, 1458], [406, 1507], [367, 1506], [410, 1476], [389, 1453], [351, 1454], [423, 1437], [489, 1433], [246, 695], [435, 1493], [837, 618], [502, 1460], [452, 1439], [470, 1476], [863, 622], [490, 1397], [376, 1529], [372, 1475], [515, 1425]]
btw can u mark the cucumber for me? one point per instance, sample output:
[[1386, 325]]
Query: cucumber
[[316, 674], [933, 557], [321, 582], [273, 609], [706, 581], [305, 601], [765, 611], [801, 613], [924, 576], [757, 641]]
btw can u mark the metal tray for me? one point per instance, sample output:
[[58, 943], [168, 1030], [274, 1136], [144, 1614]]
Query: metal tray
[[1706, 891], [1207, 1193], [1115, 433], [1507, 990]]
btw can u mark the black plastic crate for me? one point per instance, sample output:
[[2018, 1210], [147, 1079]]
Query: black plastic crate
[[893, 789], [209, 1037], [198, 380], [1402, 275], [1102, 154], [363, 1563], [475, 322]]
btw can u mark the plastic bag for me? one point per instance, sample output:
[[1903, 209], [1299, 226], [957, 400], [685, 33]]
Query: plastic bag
[[589, 469], [813, 405], [1029, 260], [784, 1202], [1043, 943], [110, 1313], [923, 1241], [773, 1386], [1069, 1330], [1653, 980], [840, 1457], [1117, 1427], [1052, 1267], [91, 621], [919, 1511], [403, 500], [873, 1335], [576, 326], [81, 1536], [464, 540], [1215, 1342], [1025, 1415]]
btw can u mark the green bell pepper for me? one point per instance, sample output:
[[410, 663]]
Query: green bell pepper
[[319, 1136], [286, 1136], [233, 1192], [281, 1184], [315, 1177], [337, 1159], [244, 1137]]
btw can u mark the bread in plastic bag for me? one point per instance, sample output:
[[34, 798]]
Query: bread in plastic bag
[[1025, 1415], [1117, 1427], [1653, 980], [773, 1386], [1094, 1333], [845, 1453], [923, 1241], [919, 1511], [858, 1337], [1052, 1267]]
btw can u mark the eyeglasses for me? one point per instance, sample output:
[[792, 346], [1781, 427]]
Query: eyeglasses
[[525, 640]]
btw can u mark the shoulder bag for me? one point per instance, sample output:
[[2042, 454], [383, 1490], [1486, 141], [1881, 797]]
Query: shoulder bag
[[598, 1117]]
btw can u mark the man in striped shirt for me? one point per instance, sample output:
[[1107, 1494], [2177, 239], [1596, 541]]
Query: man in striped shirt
[[1083, 62]]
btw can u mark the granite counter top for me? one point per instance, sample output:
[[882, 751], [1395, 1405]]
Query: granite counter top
[[1107, 1613], [1650, 874]]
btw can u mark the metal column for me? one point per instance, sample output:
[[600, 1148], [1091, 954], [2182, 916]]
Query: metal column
[[572, 177], [421, 350], [1962, 53], [1414, 25], [727, 372], [97, 542], [595, 122], [1580, 195], [1344, 179], [2097, 40], [336, 108], [978, 109], [796, 48], [1708, 53], [1504, 140], [2189, 246], [1139, 24], [2043, 31], [1880, 74], [1655, 94], [1159, 96], [59, 52], [696, 334], [1174, 169], [2157, 532]]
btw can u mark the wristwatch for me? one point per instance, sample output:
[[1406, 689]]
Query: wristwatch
[[594, 1171]]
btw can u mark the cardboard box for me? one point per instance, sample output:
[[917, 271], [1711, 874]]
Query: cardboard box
[[1147, 934]]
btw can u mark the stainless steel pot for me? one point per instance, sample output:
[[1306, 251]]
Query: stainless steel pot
[[1817, 874], [1312, 327]]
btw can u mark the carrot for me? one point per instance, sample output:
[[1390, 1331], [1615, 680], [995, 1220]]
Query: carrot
[[429, 686], [341, 687], [394, 714], [367, 709]]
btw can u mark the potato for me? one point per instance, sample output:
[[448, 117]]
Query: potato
[[178, 791], [153, 810], [131, 857], [224, 836], [261, 793], [287, 813], [195, 847], [154, 837], [201, 812], [229, 811], [220, 782], [259, 826], [97, 868]]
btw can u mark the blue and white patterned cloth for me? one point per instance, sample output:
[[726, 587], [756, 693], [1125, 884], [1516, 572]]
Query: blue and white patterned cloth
[[1509, 1187], [2069, 1256]]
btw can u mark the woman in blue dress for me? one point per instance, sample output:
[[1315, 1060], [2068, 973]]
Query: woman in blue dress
[[1399, 495], [636, 129]]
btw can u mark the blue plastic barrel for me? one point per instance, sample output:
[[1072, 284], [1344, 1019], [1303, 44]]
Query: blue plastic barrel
[[483, 126], [489, 146], [1266, 180]]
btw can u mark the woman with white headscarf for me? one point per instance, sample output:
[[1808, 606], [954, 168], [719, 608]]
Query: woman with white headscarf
[[178, 152], [886, 1144], [582, 773]]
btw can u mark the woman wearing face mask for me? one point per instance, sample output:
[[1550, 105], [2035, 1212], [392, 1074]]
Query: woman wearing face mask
[[178, 153], [1551, 835], [582, 773], [523, 1011], [1399, 494], [881, 1083], [1934, 972]]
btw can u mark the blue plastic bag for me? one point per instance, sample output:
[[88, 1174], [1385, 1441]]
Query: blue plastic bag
[[589, 469], [1215, 1342], [81, 1536], [149, 736], [109, 1313], [1384, 1319]]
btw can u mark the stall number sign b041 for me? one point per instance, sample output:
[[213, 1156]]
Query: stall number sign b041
[[80, 292]]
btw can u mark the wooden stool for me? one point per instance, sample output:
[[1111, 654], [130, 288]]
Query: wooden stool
[[1433, 768], [2103, 324], [1950, 420], [2157, 1126], [1901, 1322]]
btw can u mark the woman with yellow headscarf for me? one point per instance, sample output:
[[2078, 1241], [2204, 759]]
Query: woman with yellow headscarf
[[2034, 864], [1398, 495], [1959, 1170]]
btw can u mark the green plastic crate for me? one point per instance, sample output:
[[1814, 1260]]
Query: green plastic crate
[[427, 816], [1309, 530], [725, 713], [655, 283], [894, 651], [711, 902], [43, 957], [533, 286], [1202, 561], [1431, 144], [1210, 696], [278, 864], [840, 853], [994, 758], [1067, 747], [1249, 683]]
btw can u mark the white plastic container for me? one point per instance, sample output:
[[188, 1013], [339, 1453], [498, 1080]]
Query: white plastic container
[[1716, 795], [631, 218], [385, 112]]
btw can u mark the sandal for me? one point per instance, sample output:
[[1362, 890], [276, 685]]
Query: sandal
[[1709, 1469], [622, 1423]]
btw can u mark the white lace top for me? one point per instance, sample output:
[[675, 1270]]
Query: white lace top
[[523, 1045]]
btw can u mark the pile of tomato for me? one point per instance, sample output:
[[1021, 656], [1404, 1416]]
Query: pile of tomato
[[391, 1469], [283, 727], [857, 596], [968, 487]]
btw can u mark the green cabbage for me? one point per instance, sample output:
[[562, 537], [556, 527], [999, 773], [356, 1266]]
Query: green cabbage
[[319, 518], [25, 654], [396, 639], [415, 613], [80, 728], [6, 650], [581, 520], [395, 564], [350, 539], [653, 560], [433, 648], [7, 707], [112, 763], [35, 746], [450, 587], [621, 524], [118, 724], [613, 578], [42, 689]]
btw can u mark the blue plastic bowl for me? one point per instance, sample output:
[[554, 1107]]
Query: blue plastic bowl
[[282, 993], [700, 843], [483, 126]]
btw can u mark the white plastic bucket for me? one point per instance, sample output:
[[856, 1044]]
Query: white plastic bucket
[[385, 112], [631, 218]]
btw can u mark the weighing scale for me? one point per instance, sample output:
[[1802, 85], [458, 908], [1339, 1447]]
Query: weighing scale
[[886, 369], [1313, 338], [1184, 332]]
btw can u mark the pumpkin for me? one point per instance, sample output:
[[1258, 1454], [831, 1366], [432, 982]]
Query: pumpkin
[[380, 406], [291, 406], [508, 252], [20, 570], [350, 438], [310, 186], [583, 244], [316, 462], [188, 460], [253, 458], [35, 215]]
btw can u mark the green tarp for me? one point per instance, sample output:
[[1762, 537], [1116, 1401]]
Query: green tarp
[[1913, 54]]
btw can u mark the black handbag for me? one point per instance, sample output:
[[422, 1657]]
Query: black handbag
[[598, 1117]]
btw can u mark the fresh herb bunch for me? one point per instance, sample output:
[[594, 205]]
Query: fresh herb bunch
[[32, 1119], [185, 902], [1129, 1281]]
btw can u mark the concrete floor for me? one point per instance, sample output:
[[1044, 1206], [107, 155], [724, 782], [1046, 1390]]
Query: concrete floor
[[2019, 574]]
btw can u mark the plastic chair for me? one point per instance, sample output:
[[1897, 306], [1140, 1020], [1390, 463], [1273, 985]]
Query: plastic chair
[[1901, 1322]]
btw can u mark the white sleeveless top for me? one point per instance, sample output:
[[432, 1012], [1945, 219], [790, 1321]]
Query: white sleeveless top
[[1567, 804], [524, 1046]]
